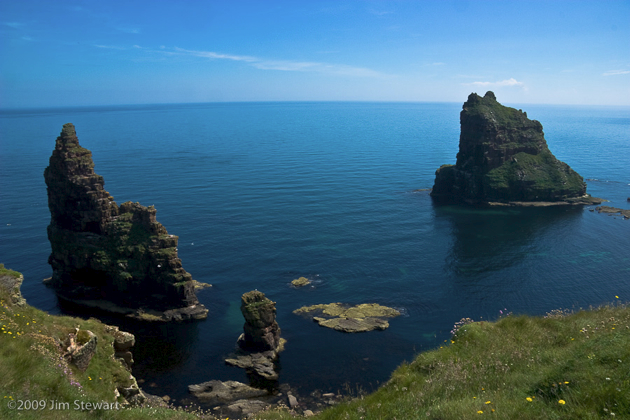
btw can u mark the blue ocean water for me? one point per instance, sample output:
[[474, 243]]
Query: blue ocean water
[[263, 193]]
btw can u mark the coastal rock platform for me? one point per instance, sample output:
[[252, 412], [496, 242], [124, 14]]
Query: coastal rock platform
[[351, 319]]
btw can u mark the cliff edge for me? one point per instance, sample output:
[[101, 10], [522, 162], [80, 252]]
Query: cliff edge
[[118, 259], [504, 159]]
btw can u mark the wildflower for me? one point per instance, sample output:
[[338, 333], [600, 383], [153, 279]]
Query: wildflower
[[565, 382], [479, 412], [562, 402], [529, 399], [488, 402]]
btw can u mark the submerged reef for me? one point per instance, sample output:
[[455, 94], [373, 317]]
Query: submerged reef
[[118, 259], [504, 159]]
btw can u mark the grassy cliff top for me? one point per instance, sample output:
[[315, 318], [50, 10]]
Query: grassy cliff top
[[32, 368], [489, 109], [561, 366]]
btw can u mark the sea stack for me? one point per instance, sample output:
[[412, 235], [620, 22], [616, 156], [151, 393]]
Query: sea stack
[[118, 259], [261, 331], [260, 343], [503, 159]]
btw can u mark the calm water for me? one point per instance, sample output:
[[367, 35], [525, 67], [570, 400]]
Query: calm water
[[262, 193]]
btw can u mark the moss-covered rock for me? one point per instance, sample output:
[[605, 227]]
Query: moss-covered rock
[[503, 157], [345, 318], [114, 258], [300, 282]]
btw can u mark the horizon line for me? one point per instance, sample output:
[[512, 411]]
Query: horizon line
[[60, 107]]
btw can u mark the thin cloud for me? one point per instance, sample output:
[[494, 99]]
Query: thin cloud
[[380, 12], [615, 72], [211, 54], [109, 47], [502, 83], [14, 25], [129, 30], [260, 63], [281, 65]]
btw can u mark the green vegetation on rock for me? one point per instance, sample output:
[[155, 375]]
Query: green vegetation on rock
[[358, 318], [301, 282], [503, 157]]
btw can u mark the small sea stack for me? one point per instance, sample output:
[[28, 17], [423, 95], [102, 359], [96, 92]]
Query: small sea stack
[[260, 343], [503, 159], [114, 258]]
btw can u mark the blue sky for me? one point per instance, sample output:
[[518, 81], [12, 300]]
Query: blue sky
[[74, 53]]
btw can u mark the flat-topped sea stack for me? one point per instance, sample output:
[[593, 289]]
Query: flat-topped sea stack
[[503, 159], [119, 259]]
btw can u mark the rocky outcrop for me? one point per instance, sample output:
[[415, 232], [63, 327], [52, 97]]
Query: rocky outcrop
[[613, 211], [217, 392], [300, 282], [351, 319], [119, 259], [503, 158], [261, 331], [260, 343], [123, 342], [80, 348], [11, 281]]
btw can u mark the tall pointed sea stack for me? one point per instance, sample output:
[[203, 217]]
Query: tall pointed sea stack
[[114, 258], [504, 159]]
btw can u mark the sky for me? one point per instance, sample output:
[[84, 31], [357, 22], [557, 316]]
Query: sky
[[93, 52]]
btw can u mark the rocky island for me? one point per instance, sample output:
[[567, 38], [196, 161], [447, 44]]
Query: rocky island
[[503, 159], [350, 319], [115, 258]]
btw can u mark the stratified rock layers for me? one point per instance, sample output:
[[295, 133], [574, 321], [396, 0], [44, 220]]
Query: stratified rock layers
[[261, 331], [503, 157], [103, 252]]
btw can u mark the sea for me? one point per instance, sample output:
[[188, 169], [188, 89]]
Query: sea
[[337, 192]]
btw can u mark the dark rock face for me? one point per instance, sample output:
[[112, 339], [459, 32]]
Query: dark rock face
[[105, 253], [261, 331], [503, 157], [260, 343]]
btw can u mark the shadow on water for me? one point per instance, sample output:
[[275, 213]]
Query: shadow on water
[[160, 347], [492, 239]]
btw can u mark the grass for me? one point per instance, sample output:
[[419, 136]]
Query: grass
[[561, 366], [32, 367]]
